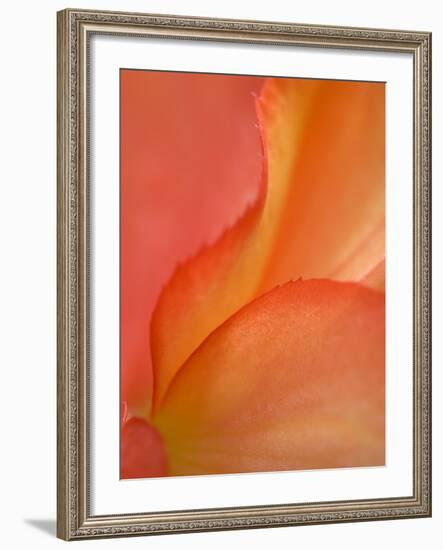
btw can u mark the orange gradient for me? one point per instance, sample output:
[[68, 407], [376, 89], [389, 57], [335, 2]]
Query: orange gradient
[[252, 273]]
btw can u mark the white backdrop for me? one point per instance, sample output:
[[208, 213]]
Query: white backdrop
[[27, 218]]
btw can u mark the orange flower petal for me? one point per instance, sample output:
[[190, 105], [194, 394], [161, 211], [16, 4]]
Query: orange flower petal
[[191, 162], [323, 214], [333, 220], [376, 277], [220, 279], [295, 380], [142, 451]]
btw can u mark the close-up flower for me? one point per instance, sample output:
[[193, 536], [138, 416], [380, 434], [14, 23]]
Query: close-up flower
[[252, 274]]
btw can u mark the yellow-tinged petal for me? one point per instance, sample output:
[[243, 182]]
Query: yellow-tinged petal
[[333, 222], [320, 213], [295, 380], [376, 277], [220, 279]]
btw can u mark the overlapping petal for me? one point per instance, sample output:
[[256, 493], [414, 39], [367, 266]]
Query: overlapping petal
[[319, 213], [294, 380], [191, 161], [375, 278], [143, 453], [333, 221]]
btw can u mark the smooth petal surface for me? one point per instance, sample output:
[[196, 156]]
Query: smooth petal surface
[[191, 162], [333, 221], [219, 280], [295, 380], [376, 277], [143, 453], [322, 215]]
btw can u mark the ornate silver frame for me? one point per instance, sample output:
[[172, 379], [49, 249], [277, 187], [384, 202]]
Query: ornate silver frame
[[74, 519]]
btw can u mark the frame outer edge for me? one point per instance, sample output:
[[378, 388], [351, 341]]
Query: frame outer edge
[[73, 521], [63, 417], [422, 270], [427, 275], [429, 319]]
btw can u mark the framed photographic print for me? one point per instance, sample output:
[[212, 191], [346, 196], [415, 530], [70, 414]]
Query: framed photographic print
[[243, 274]]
